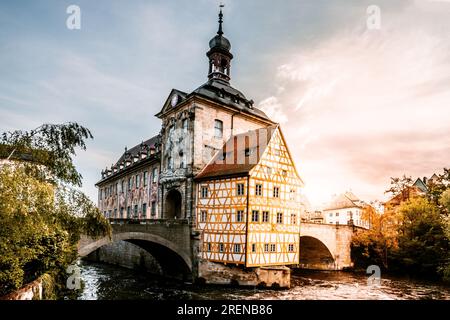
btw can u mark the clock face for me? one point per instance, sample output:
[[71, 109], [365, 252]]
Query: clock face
[[174, 100]]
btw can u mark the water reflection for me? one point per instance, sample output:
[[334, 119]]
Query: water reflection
[[102, 281]]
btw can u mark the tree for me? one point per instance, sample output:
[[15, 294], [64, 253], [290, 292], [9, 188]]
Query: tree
[[372, 246], [50, 145], [422, 243], [413, 233], [438, 187], [444, 201], [41, 214], [399, 184]]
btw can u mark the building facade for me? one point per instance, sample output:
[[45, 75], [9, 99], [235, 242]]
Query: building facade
[[248, 207], [346, 209], [129, 189], [246, 213]]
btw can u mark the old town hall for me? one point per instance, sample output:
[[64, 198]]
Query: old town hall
[[221, 164]]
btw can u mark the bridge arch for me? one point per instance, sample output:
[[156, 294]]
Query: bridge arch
[[173, 260], [325, 246], [314, 254]]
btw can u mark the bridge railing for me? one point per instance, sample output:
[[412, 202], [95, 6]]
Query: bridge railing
[[147, 221]]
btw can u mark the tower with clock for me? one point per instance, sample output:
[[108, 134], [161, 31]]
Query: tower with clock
[[195, 126], [218, 162]]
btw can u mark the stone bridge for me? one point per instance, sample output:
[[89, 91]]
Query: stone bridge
[[170, 242], [174, 245], [325, 246]]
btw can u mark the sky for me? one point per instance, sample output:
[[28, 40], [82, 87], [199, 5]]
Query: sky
[[357, 104]]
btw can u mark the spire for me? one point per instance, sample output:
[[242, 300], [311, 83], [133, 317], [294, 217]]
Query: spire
[[220, 32], [219, 54]]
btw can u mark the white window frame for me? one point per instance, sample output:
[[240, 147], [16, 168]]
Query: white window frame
[[204, 191]]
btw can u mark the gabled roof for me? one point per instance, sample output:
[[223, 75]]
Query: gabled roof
[[231, 159], [434, 177], [344, 200], [351, 196], [421, 185], [167, 105]]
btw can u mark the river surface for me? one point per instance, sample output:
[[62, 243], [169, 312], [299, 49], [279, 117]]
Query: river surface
[[108, 282]]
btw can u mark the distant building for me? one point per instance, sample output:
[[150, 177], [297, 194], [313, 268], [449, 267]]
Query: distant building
[[315, 216], [417, 189], [345, 209]]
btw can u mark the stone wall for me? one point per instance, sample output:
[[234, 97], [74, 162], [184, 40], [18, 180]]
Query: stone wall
[[217, 273], [126, 255], [39, 289]]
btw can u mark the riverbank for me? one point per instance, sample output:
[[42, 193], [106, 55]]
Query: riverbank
[[392, 274]]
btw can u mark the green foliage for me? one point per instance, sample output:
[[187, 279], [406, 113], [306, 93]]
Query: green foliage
[[41, 215], [40, 226], [48, 287], [437, 188], [50, 145], [422, 242], [369, 248], [444, 201], [413, 238]]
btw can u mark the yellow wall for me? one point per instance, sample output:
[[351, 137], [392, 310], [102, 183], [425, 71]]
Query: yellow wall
[[284, 176], [221, 226]]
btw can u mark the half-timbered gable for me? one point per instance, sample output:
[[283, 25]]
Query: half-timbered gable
[[248, 208], [273, 239]]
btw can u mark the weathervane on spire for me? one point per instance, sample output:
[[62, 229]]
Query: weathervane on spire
[[219, 54], [220, 32]]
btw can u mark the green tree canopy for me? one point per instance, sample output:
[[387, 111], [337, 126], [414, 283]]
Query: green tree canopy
[[422, 242], [51, 145], [42, 215]]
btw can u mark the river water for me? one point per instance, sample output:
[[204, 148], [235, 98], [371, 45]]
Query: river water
[[108, 282]]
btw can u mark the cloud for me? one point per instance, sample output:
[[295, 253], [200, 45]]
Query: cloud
[[273, 109], [356, 106], [375, 104]]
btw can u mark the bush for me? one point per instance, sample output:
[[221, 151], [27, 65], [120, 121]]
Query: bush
[[40, 226]]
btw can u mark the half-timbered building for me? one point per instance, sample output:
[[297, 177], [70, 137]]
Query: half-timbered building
[[219, 163], [248, 207]]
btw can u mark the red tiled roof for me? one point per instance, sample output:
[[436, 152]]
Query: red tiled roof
[[242, 152]]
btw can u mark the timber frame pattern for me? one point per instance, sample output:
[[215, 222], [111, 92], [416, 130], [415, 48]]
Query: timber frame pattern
[[252, 218]]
